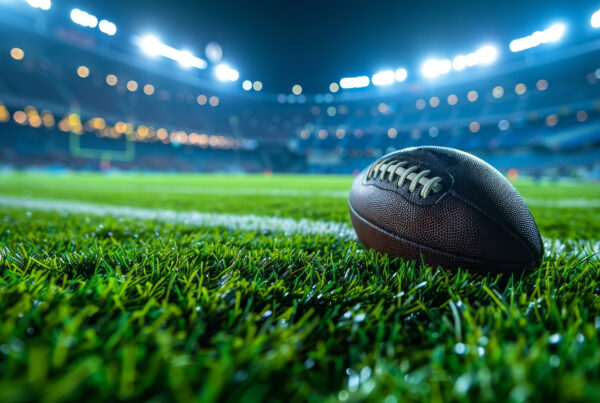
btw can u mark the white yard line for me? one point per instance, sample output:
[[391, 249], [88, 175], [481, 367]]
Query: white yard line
[[334, 194], [564, 203], [246, 222], [236, 191]]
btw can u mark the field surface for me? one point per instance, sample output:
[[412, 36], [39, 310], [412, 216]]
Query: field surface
[[254, 288]]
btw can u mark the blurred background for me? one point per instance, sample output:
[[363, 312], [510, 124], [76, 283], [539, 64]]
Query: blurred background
[[312, 87]]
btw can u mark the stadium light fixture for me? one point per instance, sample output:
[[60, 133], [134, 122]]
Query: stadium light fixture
[[551, 34], [386, 77], [433, 68], [354, 82], [41, 4], [226, 73], [107, 27], [401, 74], [84, 19], [595, 20], [485, 55], [154, 47]]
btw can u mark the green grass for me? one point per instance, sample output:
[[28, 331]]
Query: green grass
[[113, 308]]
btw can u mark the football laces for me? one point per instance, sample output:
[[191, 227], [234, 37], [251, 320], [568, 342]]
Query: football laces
[[404, 172]]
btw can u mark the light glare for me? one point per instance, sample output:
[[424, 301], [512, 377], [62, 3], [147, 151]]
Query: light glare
[[595, 20], [401, 74], [107, 27], [154, 47], [354, 82], [552, 34], [386, 77], [226, 73], [485, 55], [42, 4], [84, 19], [433, 67]]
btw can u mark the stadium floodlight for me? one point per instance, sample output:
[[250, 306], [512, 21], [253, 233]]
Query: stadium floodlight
[[485, 55], [595, 20], [107, 27], [552, 34], [401, 74], [42, 4], [152, 46], [84, 19], [185, 58], [226, 73], [354, 82], [386, 77], [433, 67]]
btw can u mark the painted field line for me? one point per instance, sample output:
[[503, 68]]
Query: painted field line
[[579, 203], [564, 203], [247, 222]]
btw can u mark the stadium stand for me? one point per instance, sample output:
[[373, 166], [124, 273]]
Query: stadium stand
[[540, 117]]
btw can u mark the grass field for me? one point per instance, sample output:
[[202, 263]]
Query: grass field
[[116, 287]]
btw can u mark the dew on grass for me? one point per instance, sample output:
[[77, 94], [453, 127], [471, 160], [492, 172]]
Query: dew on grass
[[365, 373], [353, 382], [462, 384], [360, 317], [554, 338], [460, 348]]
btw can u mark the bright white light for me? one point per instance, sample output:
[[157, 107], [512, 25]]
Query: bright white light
[[154, 47], [84, 19], [185, 58], [150, 45], [354, 82], [107, 27], [433, 68], [386, 77], [247, 85], [459, 62], [552, 34], [555, 32], [401, 75], [595, 20], [43, 4], [484, 55], [226, 73]]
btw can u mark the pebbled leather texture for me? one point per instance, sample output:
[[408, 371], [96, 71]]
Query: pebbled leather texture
[[476, 221]]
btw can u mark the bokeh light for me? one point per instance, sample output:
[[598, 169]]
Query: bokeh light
[[17, 53], [132, 85], [83, 71]]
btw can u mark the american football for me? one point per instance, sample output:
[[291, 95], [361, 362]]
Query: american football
[[446, 206]]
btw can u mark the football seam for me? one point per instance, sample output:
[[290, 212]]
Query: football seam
[[418, 245], [517, 237]]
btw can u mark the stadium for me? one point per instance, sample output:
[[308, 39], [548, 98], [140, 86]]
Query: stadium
[[174, 214]]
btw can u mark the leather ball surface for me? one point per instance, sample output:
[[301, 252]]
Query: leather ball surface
[[446, 207]]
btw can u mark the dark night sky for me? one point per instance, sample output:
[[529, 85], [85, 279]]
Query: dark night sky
[[316, 42]]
